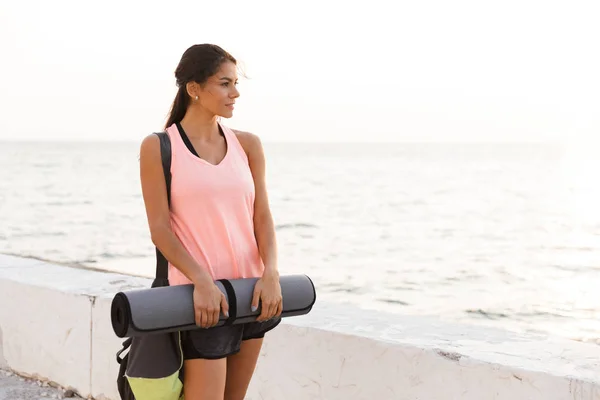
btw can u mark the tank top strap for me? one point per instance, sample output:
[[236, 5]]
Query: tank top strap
[[176, 141], [234, 143]]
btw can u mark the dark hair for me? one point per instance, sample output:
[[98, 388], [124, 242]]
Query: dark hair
[[197, 64]]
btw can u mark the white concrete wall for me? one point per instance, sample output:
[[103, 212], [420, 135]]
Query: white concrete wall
[[55, 323]]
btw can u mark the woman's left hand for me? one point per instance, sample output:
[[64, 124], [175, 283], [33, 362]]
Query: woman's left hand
[[268, 291]]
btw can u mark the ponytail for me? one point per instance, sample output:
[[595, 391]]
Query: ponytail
[[179, 107]]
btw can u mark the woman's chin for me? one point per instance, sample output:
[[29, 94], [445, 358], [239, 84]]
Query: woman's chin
[[226, 114]]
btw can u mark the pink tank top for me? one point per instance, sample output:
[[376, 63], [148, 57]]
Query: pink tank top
[[212, 210]]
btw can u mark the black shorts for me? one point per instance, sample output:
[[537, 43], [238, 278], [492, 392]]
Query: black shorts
[[222, 341]]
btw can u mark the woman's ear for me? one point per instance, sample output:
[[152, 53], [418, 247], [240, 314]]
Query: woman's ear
[[193, 90]]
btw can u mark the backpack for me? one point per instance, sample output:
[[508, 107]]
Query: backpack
[[152, 368]]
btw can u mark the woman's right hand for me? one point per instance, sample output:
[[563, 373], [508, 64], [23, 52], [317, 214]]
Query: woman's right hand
[[209, 301]]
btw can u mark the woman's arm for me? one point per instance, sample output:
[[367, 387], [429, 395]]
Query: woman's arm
[[264, 228], [267, 288]]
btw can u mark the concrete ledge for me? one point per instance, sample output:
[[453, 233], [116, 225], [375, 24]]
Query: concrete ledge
[[43, 324], [53, 327], [54, 324]]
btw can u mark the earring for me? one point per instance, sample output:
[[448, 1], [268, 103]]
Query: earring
[[196, 98]]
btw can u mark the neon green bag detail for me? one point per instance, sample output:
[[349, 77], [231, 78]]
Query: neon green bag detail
[[169, 388]]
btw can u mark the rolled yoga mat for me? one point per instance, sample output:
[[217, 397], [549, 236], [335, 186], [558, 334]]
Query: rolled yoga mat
[[171, 308]]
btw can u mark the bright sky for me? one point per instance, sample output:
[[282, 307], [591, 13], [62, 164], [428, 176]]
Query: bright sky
[[319, 70]]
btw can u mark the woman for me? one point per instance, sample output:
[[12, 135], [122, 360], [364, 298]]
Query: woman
[[219, 224]]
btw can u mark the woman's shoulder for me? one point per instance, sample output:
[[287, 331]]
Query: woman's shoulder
[[150, 144], [249, 141], [247, 137]]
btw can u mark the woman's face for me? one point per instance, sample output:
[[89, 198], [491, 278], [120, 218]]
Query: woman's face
[[219, 92]]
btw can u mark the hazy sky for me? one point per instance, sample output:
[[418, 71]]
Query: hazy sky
[[318, 70]]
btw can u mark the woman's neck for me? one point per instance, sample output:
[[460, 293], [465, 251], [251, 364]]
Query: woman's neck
[[200, 125]]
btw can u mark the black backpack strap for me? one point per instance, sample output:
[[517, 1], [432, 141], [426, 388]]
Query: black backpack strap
[[162, 265]]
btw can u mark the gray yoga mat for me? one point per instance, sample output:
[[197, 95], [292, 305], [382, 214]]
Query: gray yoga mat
[[171, 308]]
